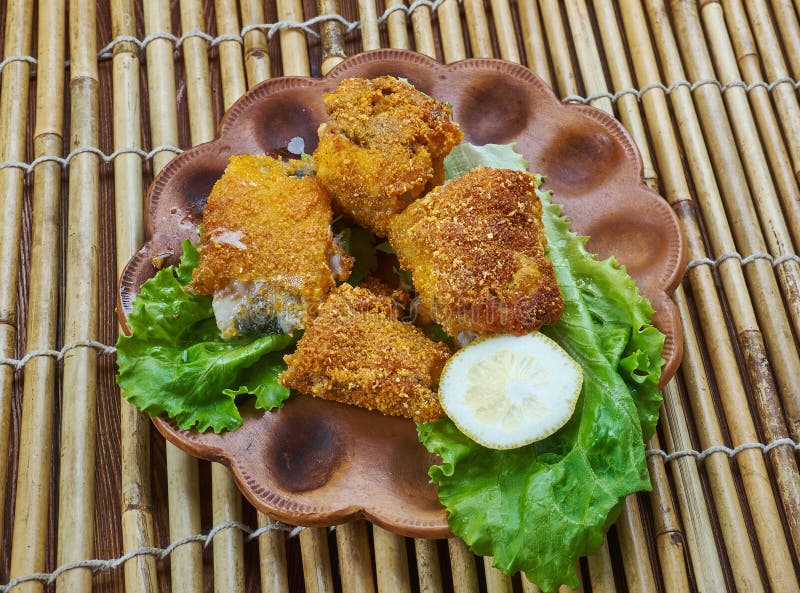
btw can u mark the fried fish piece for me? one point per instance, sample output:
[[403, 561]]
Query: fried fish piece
[[476, 250], [383, 146], [356, 351], [267, 252]]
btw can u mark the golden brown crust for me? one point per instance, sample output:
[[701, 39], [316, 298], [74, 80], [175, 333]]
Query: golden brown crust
[[263, 223], [357, 352], [382, 147], [476, 250]]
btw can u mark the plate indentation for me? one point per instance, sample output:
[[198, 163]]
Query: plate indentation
[[582, 159], [493, 108], [305, 453]]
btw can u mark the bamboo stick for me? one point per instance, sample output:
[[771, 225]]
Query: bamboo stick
[[633, 545], [506, 34], [396, 24], [786, 19], [272, 552], [256, 50], [423, 31], [231, 64], [668, 533], [731, 388], [294, 49], [228, 550], [496, 581], [182, 470], [78, 408], [331, 34], [588, 55], [785, 361], [391, 562], [36, 429], [13, 115], [783, 95], [767, 298], [480, 39], [161, 81], [627, 105], [462, 566], [528, 587], [355, 559], [183, 491], [317, 572], [137, 518], [430, 574], [708, 569], [601, 573], [450, 31], [368, 15], [533, 40], [198, 80], [566, 83], [129, 214]]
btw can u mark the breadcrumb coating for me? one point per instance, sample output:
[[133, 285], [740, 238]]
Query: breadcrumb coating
[[383, 146], [476, 251], [266, 230], [356, 351]]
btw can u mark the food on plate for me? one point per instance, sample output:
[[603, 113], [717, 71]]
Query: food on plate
[[476, 250], [382, 147], [507, 391], [267, 252], [357, 351], [488, 253]]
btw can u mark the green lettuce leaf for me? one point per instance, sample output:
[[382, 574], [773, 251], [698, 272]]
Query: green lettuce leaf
[[466, 157], [541, 507], [176, 363]]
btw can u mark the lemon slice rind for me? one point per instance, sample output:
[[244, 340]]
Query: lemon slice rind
[[509, 391]]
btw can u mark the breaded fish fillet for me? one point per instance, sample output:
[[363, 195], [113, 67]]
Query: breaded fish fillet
[[357, 352], [267, 252], [476, 251], [382, 147]]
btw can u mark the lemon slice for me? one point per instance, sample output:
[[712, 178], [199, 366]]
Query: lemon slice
[[508, 391]]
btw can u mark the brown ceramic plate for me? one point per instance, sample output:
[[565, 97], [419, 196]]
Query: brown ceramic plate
[[320, 463]]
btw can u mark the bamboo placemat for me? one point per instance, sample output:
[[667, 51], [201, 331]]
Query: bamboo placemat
[[95, 98]]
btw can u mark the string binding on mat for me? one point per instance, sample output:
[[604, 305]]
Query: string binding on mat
[[57, 354], [775, 261], [701, 455], [692, 86], [106, 158], [269, 29], [97, 565]]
